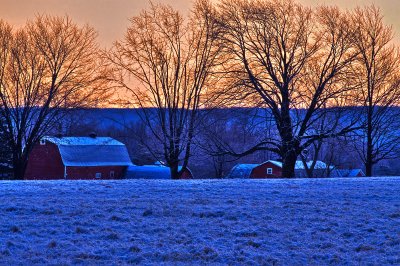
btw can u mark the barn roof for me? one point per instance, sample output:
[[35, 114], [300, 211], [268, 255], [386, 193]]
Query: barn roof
[[84, 141], [149, 172], [88, 151]]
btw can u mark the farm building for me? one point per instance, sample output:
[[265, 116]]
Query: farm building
[[273, 169], [78, 158], [154, 172], [321, 169], [348, 173], [268, 169]]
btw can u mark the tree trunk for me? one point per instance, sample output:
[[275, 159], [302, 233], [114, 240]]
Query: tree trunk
[[370, 148], [19, 165], [289, 145], [174, 171], [368, 162], [288, 163], [219, 166]]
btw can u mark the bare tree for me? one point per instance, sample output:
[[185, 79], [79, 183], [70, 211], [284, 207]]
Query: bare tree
[[226, 130], [172, 59], [46, 67], [295, 60], [377, 76]]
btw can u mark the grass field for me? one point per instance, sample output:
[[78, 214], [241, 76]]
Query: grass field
[[236, 222]]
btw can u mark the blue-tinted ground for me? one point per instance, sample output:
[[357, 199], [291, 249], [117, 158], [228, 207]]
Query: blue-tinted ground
[[236, 222]]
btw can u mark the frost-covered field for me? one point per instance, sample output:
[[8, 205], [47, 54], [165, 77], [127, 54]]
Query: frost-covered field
[[283, 222]]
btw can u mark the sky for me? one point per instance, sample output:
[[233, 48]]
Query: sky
[[111, 17]]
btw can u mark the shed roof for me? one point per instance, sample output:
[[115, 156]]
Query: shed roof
[[241, 171], [347, 173], [149, 172], [277, 163], [88, 151]]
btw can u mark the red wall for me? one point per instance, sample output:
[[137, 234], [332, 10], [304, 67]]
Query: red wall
[[261, 171], [89, 172], [45, 162]]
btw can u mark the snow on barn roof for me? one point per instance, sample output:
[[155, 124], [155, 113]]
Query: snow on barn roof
[[78, 141], [241, 171], [91, 151], [149, 172]]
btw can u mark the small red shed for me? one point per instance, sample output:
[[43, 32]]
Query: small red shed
[[78, 158], [268, 169], [273, 169]]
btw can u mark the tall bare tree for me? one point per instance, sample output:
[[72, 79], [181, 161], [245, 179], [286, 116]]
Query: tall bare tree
[[295, 60], [377, 74], [46, 67], [172, 59]]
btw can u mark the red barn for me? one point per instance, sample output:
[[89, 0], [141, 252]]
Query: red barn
[[78, 158]]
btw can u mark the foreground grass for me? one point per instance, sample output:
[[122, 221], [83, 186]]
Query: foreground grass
[[296, 222]]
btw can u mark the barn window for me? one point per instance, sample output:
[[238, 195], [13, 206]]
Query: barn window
[[42, 142], [98, 175], [269, 171], [112, 174]]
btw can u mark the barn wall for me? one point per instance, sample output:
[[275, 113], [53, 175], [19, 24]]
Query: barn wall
[[45, 162], [261, 171], [89, 172]]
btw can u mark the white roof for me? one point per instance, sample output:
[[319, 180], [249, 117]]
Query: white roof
[[277, 163], [78, 141], [300, 166], [149, 172], [318, 165], [347, 173], [88, 151], [241, 171]]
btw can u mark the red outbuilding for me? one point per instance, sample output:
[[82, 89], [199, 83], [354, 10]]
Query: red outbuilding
[[78, 158], [268, 169], [273, 169]]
